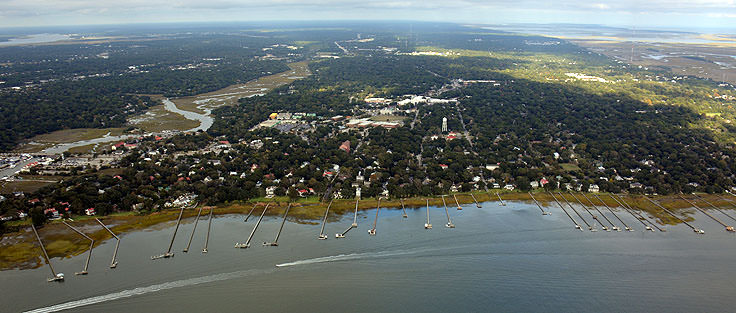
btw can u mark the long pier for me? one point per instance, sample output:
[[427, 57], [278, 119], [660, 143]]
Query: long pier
[[477, 205], [403, 209], [728, 227], [428, 225], [250, 213], [372, 231], [91, 245], [538, 205], [209, 226], [196, 221], [613, 226], [355, 222], [626, 227], [603, 226], [250, 237], [114, 262], [501, 200], [640, 217], [322, 235], [577, 226], [457, 202], [449, 222], [729, 201], [595, 218], [576, 212], [719, 209], [275, 242], [168, 253], [696, 230], [54, 275]]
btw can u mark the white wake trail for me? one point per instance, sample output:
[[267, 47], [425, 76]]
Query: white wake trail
[[146, 290], [353, 256]]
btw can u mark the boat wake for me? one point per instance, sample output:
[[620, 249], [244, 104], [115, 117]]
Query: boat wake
[[150, 289], [353, 256]]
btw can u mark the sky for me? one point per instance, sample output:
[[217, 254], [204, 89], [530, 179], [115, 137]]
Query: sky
[[681, 14]]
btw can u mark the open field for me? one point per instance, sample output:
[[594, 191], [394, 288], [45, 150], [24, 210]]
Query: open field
[[18, 249]]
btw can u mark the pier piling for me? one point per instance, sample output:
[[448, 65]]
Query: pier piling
[[355, 222], [428, 225], [322, 235], [250, 212], [728, 228], [403, 209], [613, 226], [91, 245], [55, 276], [168, 253], [250, 237], [577, 226], [538, 205], [209, 226], [193, 229], [640, 217], [449, 222], [614, 214], [275, 242], [696, 230], [477, 205], [372, 231], [576, 212], [114, 262], [457, 202]]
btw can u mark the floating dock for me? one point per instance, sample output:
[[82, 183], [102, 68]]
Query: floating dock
[[355, 222], [695, 230], [209, 226], [91, 245], [275, 242], [250, 237], [168, 253], [577, 226], [55, 276], [403, 209], [626, 227], [449, 222], [428, 225], [538, 205], [322, 235], [477, 205], [193, 229], [457, 202], [728, 227], [576, 212], [372, 231], [613, 226], [114, 262]]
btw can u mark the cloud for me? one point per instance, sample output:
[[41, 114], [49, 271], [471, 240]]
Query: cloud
[[17, 12]]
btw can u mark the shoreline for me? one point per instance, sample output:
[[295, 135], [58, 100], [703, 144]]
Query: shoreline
[[18, 250]]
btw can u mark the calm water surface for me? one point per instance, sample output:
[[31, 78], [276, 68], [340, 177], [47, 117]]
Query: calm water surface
[[499, 258]]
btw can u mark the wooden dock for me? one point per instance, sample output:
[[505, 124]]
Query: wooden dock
[[626, 227], [209, 226], [196, 220], [91, 245], [168, 253], [428, 225], [250, 237], [322, 235], [576, 212], [538, 205], [275, 242], [54, 275], [114, 262], [695, 230], [577, 226], [449, 222]]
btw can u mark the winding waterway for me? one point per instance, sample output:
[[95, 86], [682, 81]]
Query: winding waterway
[[498, 258]]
